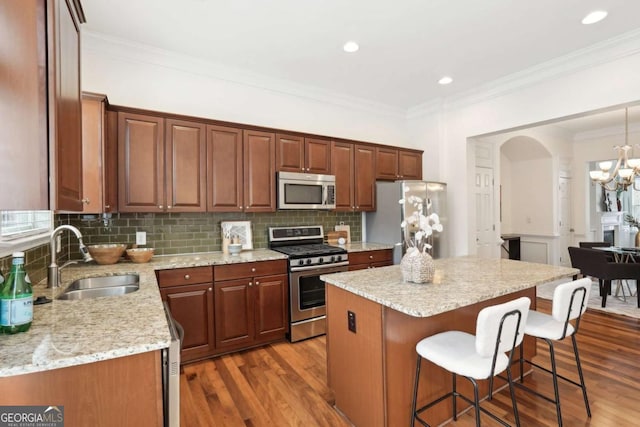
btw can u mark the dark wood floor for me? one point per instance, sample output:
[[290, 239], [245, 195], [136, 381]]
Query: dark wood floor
[[284, 384]]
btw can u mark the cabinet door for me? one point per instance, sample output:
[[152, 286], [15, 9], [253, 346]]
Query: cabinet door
[[365, 179], [93, 139], [409, 164], [387, 163], [24, 176], [140, 163], [65, 118], [224, 169], [271, 306], [185, 168], [342, 168], [289, 153], [192, 307], [317, 155], [234, 318], [259, 172], [110, 163]]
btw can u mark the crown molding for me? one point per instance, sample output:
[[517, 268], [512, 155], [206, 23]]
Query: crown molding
[[624, 45], [120, 49]]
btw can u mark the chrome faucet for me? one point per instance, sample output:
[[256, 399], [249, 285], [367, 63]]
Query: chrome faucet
[[53, 273]]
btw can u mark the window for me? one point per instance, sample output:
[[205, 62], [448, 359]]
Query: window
[[16, 225]]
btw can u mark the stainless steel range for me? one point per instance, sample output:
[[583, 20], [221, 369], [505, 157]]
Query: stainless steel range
[[309, 258]]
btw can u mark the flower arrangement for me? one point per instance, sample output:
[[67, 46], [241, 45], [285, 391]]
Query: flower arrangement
[[632, 221], [421, 220]]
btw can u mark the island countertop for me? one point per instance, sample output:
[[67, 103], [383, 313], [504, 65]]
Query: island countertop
[[68, 333], [451, 287]]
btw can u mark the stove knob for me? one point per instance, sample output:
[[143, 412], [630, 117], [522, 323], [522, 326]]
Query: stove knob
[[301, 262], [309, 261], [332, 259], [339, 258], [320, 260]]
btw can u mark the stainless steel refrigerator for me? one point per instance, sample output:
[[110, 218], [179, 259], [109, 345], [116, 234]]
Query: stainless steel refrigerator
[[383, 225]]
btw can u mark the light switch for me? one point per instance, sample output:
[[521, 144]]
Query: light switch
[[141, 237]]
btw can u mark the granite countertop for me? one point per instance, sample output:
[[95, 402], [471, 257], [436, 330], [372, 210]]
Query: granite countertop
[[365, 246], [67, 333], [458, 282]]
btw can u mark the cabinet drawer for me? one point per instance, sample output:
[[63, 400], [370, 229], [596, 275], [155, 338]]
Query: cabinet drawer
[[185, 276], [370, 256], [250, 269]]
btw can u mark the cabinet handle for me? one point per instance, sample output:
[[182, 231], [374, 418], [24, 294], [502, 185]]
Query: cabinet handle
[[257, 283], [253, 270], [107, 206], [250, 284], [210, 289], [169, 207], [187, 277], [370, 256], [160, 206], [86, 201]]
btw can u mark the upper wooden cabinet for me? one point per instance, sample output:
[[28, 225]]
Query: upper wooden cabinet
[[99, 155], [224, 169], [259, 150], [299, 154], [65, 112], [354, 168], [161, 164], [40, 105], [393, 164]]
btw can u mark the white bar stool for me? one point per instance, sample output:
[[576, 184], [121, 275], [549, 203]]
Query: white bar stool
[[499, 328], [569, 303]]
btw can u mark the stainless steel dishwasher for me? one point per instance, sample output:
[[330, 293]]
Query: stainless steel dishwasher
[[171, 372]]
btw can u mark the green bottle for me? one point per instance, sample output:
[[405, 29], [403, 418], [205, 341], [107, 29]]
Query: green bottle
[[16, 298]]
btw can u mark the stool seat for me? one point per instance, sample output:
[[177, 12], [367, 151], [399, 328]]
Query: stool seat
[[543, 325], [455, 351]]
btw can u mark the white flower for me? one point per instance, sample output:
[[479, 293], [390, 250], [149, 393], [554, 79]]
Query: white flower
[[420, 224]]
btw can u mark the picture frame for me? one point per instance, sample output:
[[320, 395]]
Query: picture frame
[[241, 229]]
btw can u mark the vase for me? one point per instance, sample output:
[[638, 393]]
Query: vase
[[417, 267], [638, 239]]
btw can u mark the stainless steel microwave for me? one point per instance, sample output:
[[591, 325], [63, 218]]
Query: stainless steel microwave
[[306, 191]]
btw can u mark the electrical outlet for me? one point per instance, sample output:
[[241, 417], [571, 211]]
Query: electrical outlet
[[351, 321], [141, 237]]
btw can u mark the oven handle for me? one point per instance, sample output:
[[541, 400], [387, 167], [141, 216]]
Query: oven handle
[[316, 267]]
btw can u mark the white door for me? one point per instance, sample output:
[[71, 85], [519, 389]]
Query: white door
[[564, 194], [485, 230]]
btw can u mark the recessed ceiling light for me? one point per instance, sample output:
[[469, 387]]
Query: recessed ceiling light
[[595, 16], [445, 80], [350, 46]]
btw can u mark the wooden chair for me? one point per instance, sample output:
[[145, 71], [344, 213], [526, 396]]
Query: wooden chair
[[595, 263]]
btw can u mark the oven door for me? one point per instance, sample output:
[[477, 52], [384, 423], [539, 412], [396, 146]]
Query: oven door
[[306, 292]]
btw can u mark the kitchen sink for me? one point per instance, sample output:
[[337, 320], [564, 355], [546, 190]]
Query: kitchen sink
[[103, 286]]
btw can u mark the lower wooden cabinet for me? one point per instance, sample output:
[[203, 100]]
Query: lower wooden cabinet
[[250, 311], [189, 293], [247, 306], [370, 259]]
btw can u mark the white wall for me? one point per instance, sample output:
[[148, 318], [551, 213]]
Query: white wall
[[136, 76]]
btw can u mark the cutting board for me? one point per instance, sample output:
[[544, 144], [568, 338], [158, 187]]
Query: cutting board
[[333, 236]]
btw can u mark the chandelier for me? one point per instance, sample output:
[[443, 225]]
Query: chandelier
[[626, 169]]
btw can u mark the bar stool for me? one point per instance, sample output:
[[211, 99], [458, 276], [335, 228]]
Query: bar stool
[[499, 328], [569, 303]]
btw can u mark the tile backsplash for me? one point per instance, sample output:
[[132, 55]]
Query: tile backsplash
[[174, 233]]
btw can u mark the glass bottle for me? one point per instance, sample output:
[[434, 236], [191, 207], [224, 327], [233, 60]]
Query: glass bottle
[[16, 298]]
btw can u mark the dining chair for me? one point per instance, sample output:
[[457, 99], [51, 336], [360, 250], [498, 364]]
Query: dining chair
[[499, 329], [569, 303]]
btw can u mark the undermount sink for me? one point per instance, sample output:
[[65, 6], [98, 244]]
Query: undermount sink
[[103, 286]]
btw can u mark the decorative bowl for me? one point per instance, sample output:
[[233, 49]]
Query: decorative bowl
[[235, 248], [108, 253], [140, 255]]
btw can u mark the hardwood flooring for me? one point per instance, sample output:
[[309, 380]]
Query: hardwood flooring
[[284, 384]]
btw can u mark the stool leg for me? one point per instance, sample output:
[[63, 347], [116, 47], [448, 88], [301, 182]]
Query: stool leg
[[513, 396], [415, 392], [455, 394], [476, 400], [522, 361], [582, 385], [555, 381]]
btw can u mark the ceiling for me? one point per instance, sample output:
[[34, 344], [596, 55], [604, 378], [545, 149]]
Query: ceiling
[[405, 46]]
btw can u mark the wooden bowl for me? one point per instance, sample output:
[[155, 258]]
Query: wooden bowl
[[140, 255], [108, 253]]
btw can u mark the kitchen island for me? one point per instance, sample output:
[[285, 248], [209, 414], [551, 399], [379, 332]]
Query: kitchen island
[[374, 321]]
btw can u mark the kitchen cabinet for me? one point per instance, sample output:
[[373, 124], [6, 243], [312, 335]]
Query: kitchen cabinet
[[161, 164], [99, 156], [123, 391], [189, 293], [250, 304], [40, 105], [300, 154], [370, 259], [259, 187], [354, 168], [393, 164], [224, 169]]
